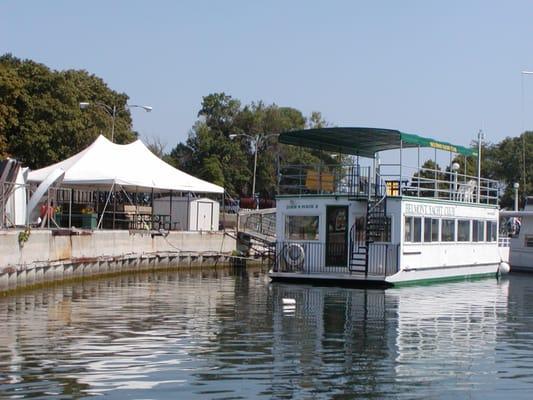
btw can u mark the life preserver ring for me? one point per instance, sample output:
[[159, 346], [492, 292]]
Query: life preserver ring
[[294, 255]]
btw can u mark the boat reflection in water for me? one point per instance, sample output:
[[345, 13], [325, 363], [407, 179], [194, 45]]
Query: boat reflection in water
[[228, 334], [388, 342]]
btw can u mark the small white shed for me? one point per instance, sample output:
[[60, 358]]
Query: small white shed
[[189, 214]]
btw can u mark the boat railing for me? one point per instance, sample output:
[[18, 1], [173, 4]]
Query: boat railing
[[302, 179], [504, 241], [389, 179], [314, 257], [426, 182]]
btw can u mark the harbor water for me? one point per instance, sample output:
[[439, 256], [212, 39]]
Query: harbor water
[[231, 334]]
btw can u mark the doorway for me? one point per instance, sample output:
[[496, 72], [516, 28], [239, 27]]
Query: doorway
[[337, 236]]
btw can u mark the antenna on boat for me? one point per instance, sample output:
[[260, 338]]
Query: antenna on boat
[[480, 137], [523, 133]]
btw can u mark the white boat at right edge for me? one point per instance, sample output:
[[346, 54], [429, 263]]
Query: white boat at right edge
[[521, 250]]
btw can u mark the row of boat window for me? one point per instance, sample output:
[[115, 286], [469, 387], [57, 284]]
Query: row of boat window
[[419, 229]]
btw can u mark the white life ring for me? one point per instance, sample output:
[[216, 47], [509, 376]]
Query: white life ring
[[294, 255]]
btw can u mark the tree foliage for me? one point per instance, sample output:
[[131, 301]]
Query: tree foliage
[[211, 154], [41, 123], [40, 118]]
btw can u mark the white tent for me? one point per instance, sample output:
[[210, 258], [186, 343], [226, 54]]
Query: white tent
[[105, 164]]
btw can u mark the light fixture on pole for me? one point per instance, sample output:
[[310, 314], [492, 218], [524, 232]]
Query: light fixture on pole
[[112, 111], [455, 168], [256, 140]]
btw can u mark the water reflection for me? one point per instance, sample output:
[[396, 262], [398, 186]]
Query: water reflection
[[231, 334]]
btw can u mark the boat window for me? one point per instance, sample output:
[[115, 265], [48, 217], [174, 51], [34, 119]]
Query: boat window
[[435, 234], [448, 230], [477, 231], [427, 229], [301, 227], [417, 229], [408, 229], [528, 241], [490, 231], [431, 230], [463, 231]]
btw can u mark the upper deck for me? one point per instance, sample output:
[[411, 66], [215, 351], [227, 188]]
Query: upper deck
[[349, 177]]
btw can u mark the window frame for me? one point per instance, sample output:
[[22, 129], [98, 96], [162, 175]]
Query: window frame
[[469, 235], [304, 235], [454, 230]]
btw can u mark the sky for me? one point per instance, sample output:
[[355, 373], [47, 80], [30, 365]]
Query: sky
[[441, 69]]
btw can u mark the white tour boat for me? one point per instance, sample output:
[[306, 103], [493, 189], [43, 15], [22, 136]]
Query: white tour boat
[[383, 223], [521, 257]]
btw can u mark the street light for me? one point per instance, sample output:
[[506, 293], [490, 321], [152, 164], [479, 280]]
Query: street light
[[112, 111], [256, 140], [455, 168]]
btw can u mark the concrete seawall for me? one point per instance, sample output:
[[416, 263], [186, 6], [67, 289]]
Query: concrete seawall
[[54, 255]]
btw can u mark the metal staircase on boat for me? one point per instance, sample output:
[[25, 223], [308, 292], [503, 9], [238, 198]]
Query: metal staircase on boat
[[375, 225]]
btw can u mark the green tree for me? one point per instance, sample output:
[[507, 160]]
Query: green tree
[[425, 179], [40, 119], [211, 154]]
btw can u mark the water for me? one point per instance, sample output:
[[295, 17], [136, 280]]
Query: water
[[232, 335]]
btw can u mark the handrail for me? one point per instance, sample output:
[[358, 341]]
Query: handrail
[[356, 180]]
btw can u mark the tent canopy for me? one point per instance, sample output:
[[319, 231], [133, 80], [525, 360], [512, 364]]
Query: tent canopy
[[365, 142], [104, 164]]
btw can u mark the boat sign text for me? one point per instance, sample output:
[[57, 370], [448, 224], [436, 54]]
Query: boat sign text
[[430, 210]]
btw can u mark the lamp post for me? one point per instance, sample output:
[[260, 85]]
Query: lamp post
[[455, 168], [256, 140], [112, 111], [516, 185], [480, 137]]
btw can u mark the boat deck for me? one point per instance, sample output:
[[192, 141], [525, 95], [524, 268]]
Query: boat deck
[[339, 278]]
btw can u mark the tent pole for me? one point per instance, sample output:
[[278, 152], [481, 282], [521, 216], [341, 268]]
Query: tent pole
[[105, 206], [70, 209], [48, 210], [96, 202], [187, 227], [224, 209], [114, 206], [170, 212], [152, 227], [131, 203]]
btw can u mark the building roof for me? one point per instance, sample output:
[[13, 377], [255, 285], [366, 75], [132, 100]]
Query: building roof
[[365, 142]]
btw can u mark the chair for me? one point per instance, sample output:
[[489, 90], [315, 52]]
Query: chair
[[466, 191]]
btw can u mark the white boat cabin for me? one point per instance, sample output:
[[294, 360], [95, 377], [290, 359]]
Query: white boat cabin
[[521, 237], [382, 223]]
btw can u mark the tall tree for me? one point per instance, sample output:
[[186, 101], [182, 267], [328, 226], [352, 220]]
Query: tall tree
[[210, 152], [40, 118]]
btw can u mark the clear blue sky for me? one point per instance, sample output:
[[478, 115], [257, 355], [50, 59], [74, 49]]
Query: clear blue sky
[[442, 69]]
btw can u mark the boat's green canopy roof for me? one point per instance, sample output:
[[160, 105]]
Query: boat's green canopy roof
[[365, 142]]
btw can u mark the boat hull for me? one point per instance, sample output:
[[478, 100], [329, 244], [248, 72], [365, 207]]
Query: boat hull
[[403, 277]]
